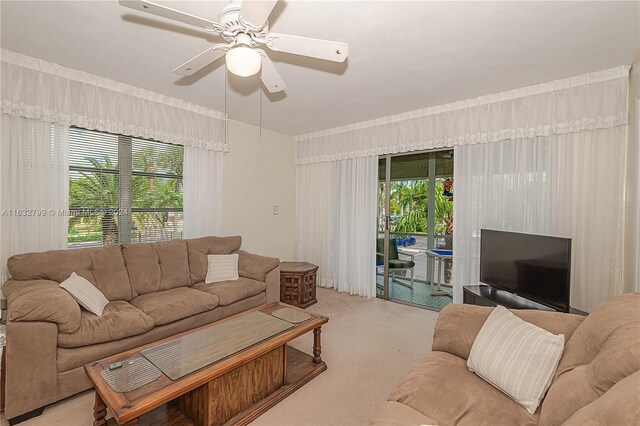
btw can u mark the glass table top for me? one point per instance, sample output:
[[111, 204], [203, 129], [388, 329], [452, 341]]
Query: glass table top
[[293, 316], [194, 351], [132, 374]]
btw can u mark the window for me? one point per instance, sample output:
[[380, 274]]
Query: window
[[123, 189]]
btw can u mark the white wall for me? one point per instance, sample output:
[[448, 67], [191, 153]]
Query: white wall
[[259, 173], [631, 278]]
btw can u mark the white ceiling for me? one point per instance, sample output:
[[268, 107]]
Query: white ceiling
[[402, 55]]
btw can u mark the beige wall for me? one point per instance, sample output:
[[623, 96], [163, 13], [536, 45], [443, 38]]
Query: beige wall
[[631, 277], [259, 173]]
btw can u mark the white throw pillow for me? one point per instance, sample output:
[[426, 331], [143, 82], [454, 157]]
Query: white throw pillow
[[517, 357], [221, 267], [85, 293]]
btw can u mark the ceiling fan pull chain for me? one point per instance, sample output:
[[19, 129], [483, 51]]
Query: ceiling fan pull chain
[[226, 113], [260, 114]]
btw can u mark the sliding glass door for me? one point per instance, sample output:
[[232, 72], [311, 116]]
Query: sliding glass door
[[415, 228]]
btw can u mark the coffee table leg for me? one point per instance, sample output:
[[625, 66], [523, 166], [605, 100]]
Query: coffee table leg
[[317, 347], [99, 411]]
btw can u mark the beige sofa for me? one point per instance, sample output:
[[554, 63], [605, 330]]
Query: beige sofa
[[597, 381], [154, 290]]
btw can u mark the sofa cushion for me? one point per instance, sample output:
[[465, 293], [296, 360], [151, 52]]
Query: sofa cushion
[[175, 304], [620, 405], [104, 267], [119, 320], [199, 248], [156, 266], [42, 300], [70, 358], [604, 349], [232, 291], [443, 389], [393, 413]]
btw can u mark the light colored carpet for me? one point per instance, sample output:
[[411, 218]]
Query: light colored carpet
[[369, 346]]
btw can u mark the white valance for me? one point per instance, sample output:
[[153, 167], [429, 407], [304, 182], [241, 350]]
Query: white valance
[[45, 91], [586, 102]]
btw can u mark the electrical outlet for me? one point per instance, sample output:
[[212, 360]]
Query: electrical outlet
[[275, 210]]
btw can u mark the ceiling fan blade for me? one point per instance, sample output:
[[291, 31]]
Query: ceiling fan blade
[[167, 12], [202, 60], [256, 12], [270, 76], [305, 46]]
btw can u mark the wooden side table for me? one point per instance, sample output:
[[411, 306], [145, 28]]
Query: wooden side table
[[298, 283]]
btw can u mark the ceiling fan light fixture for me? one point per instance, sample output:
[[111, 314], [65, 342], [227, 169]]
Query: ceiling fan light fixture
[[243, 61]]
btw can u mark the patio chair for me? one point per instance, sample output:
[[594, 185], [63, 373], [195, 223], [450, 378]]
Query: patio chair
[[395, 263]]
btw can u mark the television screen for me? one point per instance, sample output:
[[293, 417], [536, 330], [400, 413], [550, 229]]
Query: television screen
[[533, 266]]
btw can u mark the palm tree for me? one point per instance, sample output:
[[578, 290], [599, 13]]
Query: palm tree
[[411, 197], [404, 193], [97, 190], [152, 192], [444, 210]]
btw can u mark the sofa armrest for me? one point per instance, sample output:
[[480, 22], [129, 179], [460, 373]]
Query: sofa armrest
[[458, 326], [272, 279], [42, 301], [31, 370], [255, 266]]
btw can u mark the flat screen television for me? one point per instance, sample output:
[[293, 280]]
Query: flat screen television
[[537, 267]]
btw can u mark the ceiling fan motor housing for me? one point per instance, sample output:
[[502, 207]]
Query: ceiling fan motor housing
[[230, 14], [230, 18]]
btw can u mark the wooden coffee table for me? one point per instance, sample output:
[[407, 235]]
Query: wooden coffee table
[[228, 372]]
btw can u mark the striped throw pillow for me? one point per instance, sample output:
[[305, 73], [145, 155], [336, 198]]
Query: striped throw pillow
[[517, 357], [85, 293], [222, 267]]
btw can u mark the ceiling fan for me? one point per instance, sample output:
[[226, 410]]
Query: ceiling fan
[[244, 27]]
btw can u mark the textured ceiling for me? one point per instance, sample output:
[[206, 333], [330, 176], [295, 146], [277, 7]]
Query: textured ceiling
[[403, 55]]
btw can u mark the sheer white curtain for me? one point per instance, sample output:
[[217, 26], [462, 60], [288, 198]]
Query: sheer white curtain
[[569, 185], [336, 222], [202, 203], [34, 187], [631, 264]]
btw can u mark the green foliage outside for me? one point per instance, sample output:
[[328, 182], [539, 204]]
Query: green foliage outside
[[93, 190], [409, 207]]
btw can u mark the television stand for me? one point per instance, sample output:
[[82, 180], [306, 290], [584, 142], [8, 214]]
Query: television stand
[[485, 295]]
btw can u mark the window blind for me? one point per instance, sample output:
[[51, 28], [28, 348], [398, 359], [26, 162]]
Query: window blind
[[123, 189], [416, 166]]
